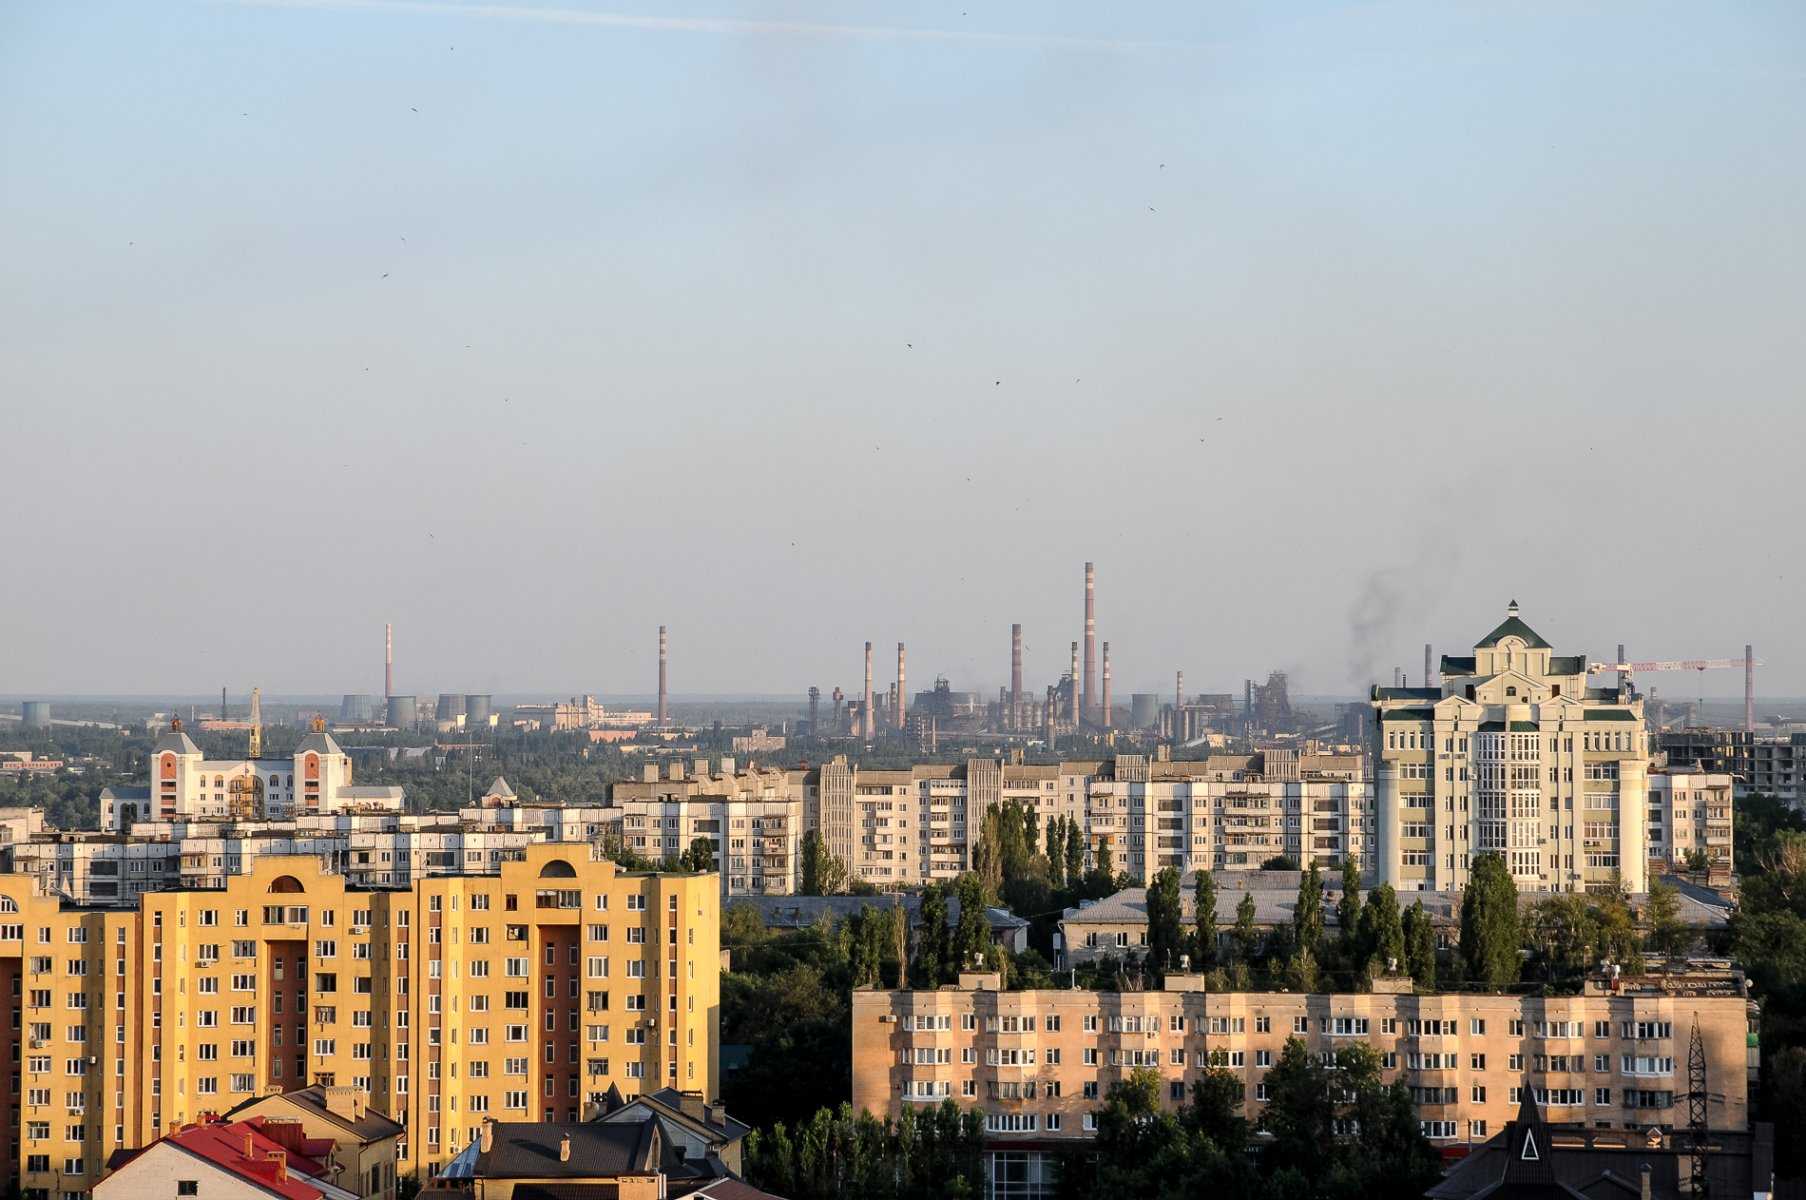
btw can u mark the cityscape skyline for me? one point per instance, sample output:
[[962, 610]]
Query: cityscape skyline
[[583, 386]]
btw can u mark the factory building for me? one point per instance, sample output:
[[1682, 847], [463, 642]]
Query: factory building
[[1512, 753], [526, 994]]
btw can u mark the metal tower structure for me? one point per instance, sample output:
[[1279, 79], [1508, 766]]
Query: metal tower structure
[[1696, 1109]]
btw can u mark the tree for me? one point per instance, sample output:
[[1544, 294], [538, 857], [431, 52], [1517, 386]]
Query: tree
[[1348, 914], [1490, 934], [1165, 920], [899, 925], [1667, 935], [1301, 974], [972, 936], [823, 873], [1420, 946], [700, 857], [1075, 852], [1560, 934], [1245, 935], [934, 951], [1382, 929], [1056, 851], [1307, 914], [1204, 915]]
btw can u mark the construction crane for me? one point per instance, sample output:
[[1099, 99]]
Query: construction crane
[[1748, 662], [247, 790]]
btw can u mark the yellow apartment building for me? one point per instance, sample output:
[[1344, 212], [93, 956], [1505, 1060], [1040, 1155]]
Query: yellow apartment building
[[521, 995]]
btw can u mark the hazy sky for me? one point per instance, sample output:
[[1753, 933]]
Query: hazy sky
[[1324, 329]]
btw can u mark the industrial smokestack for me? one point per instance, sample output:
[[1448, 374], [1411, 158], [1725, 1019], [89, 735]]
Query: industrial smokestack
[[902, 702], [222, 704], [1015, 676], [1088, 702], [1178, 691], [1104, 704], [815, 711], [1047, 718], [1749, 688], [1426, 665], [388, 660], [865, 718], [1073, 694], [664, 712]]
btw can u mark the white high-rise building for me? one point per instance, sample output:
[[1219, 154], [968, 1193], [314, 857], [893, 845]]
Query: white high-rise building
[[1512, 753]]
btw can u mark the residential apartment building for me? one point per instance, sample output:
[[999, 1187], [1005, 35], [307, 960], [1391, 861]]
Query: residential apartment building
[[1690, 810], [526, 993], [754, 819], [1769, 766], [1511, 753], [1038, 1063], [184, 785]]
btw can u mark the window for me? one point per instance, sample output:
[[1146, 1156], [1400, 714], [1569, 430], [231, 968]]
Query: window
[[188, 1187]]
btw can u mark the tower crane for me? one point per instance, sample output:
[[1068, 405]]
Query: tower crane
[[247, 789], [1748, 662]]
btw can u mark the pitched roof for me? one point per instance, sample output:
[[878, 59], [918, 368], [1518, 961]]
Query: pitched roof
[[530, 1149], [500, 790], [318, 741], [672, 1101], [1456, 665], [373, 1126], [727, 1189], [240, 1149], [175, 740], [1511, 626]]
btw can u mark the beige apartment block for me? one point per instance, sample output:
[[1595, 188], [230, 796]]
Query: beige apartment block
[[1037, 1063], [526, 993], [1512, 753], [1690, 810], [754, 818]]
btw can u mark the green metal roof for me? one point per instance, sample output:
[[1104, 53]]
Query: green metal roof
[[1525, 727], [1513, 627], [1408, 714], [1610, 714], [1453, 665], [1567, 664]]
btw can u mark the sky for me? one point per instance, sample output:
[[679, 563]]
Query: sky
[[1323, 329]]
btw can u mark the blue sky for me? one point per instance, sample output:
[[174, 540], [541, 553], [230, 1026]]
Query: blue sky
[[1324, 329]]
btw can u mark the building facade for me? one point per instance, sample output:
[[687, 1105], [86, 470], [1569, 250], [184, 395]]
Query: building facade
[[184, 785], [1038, 1063], [527, 993], [1690, 814], [1512, 753]]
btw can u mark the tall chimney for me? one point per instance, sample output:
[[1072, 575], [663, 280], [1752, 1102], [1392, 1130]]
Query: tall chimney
[[1047, 718], [1015, 676], [1749, 688], [865, 718], [815, 711], [1074, 694], [1104, 704], [1088, 704], [1178, 691], [1426, 665], [663, 695], [902, 701], [222, 704], [388, 660]]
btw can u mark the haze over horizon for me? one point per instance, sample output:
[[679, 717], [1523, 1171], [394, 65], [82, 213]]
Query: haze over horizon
[[789, 326]]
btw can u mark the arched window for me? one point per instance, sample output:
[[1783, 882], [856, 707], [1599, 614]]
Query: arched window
[[8, 905], [285, 884], [558, 869]]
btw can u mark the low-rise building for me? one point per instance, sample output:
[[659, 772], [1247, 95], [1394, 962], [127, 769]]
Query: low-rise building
[[1037, 1063], [227, 1160], [360, 1144]]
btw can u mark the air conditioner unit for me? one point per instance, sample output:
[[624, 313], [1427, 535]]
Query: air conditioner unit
[[888, 1019]]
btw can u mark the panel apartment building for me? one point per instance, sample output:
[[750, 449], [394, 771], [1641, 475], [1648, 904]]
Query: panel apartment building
[[1512, 753], [522, 995], [1038, 1063]]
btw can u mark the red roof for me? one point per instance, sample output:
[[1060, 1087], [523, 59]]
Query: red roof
[[243, 1149], [306, 1155]]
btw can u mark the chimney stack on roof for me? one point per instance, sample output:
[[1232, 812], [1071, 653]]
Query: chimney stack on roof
[[564, 1148], [487, 1142]]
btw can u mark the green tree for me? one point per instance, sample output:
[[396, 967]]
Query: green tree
[[1245, 935], [1560, 933], [1354, 947], [1075, 852], [934, 950], [972, 936], [1382, 929], [1490, 933], [823, 873], [1420, 946], [1056, 851], [1165, 920], [1307, 914], [700, 857], [1204, 916], [1662, 913]]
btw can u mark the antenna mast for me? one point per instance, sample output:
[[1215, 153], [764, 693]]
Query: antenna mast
[[1696, 1108]]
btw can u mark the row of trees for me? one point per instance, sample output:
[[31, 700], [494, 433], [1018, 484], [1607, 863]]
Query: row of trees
[[835, 1154], [1768, 940], [1334, 1131]]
